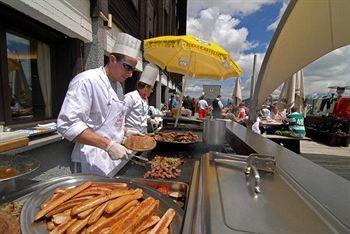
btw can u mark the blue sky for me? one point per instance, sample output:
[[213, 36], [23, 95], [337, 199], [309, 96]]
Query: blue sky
[[245, 28], [257, 24]]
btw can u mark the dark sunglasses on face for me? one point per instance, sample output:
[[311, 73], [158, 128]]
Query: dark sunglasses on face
[[127, 66]]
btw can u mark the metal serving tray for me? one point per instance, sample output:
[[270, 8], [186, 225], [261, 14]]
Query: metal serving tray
[[32, 204], [171, 187], [23, 165]]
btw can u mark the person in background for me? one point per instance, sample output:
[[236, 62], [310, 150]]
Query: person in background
[[176, 101], [203, 105], [227, 110], [241, 114], [164, 107], [153, 122], [265, 112], [171, 101], [217, 107], [296, 123], [193, 106], [275, 114], [187, 103], [256, 127], [137, 101], [93, 112]]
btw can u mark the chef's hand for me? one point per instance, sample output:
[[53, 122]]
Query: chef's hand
[[117, 151], [130, 132]]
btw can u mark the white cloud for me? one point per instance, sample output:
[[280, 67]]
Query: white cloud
[[332, 69], [222, 28], [232, 7], [273, 26], [211, 24]]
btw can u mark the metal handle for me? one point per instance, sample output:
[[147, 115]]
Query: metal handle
[[257, 188], [247, 170]]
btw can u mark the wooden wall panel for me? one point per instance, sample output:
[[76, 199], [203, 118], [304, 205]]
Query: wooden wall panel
[[125, 16]]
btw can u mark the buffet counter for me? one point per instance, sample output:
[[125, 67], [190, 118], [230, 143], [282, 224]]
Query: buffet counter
[[221, 198]]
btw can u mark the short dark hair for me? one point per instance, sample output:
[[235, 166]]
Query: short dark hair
[[294, 109], [219, 96], [141, 85]]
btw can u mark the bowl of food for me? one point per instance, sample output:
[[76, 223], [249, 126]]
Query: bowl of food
[[140, 143]]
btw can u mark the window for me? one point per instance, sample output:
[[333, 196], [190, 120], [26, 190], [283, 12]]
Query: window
[[29, 78]]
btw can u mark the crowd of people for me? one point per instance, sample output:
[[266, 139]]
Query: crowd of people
[[203, 108], [293, 122]]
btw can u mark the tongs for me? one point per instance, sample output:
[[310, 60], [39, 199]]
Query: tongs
[[141, 160]]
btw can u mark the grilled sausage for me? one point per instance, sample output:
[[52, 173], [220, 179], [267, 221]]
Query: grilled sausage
[[99, 226], [97, 213], [148, 223], [52, 205], [86, 213], [91, 193], [63, 227], [136, 217], [89, 204], [101, 199], [63, 207], [61, 217], [128, 206], [164, 222], [50, 199], [77, 226], [119, 202]]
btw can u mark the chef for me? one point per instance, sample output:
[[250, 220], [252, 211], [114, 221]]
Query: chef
[[93, 111], [137, 101]]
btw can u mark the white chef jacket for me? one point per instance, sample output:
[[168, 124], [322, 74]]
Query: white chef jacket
[[136, 111], [91, 102]]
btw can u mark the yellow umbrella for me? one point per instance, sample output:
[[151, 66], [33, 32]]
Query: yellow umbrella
[[191, 57]]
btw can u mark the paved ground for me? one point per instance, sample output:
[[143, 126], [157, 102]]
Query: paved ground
[[335, 159]]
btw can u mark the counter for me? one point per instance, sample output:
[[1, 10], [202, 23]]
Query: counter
[[301, 197], [322, 190], [53, 153], [36, 143]]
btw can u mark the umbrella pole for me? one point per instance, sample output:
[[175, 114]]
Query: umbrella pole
[[180, 101]]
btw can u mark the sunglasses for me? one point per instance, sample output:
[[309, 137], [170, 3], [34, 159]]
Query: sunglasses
[[127, 66]]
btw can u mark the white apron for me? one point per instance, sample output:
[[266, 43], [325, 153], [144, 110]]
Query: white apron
[[137, 112], [95, 160]]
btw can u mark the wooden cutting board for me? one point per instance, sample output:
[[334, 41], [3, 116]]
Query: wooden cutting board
[[13, 144]]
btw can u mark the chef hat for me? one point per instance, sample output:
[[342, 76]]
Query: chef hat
[[127, 45], [139, 65], [149, 74]]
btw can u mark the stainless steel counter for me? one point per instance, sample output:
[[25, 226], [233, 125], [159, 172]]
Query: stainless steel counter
[[325, 192], [230, 204]]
